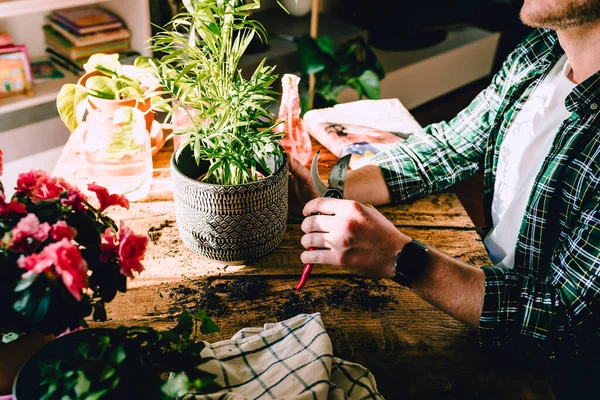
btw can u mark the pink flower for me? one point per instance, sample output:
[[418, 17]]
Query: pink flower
[[69, 265], [61, 230], [73, 199], [37, 263], [108, 247], [28, 232], [67, 261], [132, 248], [1, 162], [106, 200]]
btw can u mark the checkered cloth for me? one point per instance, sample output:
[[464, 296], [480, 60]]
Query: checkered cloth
[[292, 359]]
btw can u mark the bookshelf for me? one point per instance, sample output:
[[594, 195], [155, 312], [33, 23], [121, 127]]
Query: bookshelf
[[24, 19], [14, 8]]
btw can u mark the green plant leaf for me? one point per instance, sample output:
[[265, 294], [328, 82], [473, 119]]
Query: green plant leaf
[[65, 104], [185, 324], [312, 59], [144, 64], [326, 45], [25, 282], [369, 82], [176, 386], [208, 326], [102, 87], [108, 64], [83, 384]]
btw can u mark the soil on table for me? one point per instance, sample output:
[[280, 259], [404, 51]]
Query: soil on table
[[219, 296], [155, 232]]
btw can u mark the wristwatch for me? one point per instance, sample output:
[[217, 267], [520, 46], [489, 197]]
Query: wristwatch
[[410, 262]]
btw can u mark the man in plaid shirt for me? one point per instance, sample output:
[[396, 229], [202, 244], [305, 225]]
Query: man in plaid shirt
[[536, 131]]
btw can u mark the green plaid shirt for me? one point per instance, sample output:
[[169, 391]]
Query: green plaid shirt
[[550, 302]]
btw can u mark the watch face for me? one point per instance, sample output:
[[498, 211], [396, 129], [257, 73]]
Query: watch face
[[411, 262]]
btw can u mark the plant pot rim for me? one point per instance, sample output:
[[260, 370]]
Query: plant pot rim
[[266, 178]]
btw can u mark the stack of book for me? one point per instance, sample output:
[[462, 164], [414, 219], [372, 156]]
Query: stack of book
[[73, 35]]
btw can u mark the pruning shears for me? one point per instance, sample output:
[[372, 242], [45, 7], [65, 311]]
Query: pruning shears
[[335, 190]]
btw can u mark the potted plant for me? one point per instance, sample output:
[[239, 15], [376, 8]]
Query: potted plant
[[125, 362], [230, 173], [107, 86], [61, 260]]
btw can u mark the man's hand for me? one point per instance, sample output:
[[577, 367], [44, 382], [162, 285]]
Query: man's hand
[[350, 235], [300, 187]]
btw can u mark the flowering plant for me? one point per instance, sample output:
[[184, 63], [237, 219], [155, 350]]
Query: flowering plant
[[61, 259]]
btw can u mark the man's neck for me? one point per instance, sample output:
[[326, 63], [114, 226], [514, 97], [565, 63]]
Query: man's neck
[[582, 46]]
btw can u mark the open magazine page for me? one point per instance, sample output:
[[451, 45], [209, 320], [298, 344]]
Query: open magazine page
[[362, 128]]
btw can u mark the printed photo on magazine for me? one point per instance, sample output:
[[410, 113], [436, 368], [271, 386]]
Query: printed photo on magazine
[[362, 128]]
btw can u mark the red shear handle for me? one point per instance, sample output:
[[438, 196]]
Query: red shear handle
[[305, 275]]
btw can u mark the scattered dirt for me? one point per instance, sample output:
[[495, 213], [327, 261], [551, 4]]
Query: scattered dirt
[[155, 232], [362, 293], [298, 304], [246, 288], [202, 296], [216, 297]]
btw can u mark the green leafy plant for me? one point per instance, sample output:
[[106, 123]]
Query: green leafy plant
[[349, 65], [133, 362], [233, 129], [110, 81]]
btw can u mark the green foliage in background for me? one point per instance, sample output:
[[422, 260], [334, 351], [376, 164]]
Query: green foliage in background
[[337, 67], [202, 48], [133, 363]]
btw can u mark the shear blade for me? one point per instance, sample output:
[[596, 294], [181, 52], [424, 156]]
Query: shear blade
[[316, 179], [337, 176]]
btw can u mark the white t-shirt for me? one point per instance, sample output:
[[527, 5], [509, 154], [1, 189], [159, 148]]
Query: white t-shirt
[[522, 153]]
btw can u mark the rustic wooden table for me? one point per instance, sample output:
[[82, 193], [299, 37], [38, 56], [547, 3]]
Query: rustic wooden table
[[413, 349]]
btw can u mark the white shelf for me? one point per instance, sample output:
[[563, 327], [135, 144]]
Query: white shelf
[[13, 8], [43, 92]]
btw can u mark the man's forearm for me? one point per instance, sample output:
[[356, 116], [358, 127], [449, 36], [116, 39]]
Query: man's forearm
[[452, 286], [367, 185]]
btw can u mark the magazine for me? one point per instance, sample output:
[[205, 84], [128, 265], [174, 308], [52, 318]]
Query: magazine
[[362, 128]]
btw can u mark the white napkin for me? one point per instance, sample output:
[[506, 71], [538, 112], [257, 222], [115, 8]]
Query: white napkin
[[292, 359]]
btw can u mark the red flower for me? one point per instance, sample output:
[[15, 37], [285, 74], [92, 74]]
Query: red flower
[[38, 185], [16, 207], [27, 233], [132, 248], [13, 207], [61, 230], [27, 182], [108, 247], [67, 261], [107, 200]]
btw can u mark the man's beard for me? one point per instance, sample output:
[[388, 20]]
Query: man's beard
[[571, 14]]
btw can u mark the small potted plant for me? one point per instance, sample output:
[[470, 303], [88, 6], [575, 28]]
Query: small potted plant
[[122, 363], [108, 86], [230, 173], [61, 260]]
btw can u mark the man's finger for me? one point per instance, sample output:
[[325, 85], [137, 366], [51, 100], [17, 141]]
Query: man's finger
[[298, 170], [318, 223], [324, 205], [317, 257], [316, 240]]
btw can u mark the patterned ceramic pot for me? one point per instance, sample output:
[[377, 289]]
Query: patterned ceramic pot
[[229, 223]]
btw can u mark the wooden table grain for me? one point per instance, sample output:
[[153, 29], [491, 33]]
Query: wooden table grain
[[413, 349]]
